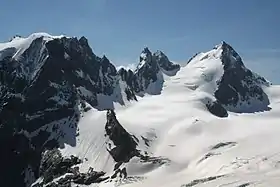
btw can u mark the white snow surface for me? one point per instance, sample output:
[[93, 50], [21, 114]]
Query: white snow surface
[[182, 130]]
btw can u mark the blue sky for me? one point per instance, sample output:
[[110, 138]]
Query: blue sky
[[121, 28]]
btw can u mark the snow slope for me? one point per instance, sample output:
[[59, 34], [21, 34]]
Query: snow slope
[[201, 149]]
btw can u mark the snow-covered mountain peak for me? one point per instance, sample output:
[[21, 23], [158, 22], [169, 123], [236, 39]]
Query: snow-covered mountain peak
[[235, 86], [229, 56], [220, 45], [21, 43], [145, 58], [150, 70]]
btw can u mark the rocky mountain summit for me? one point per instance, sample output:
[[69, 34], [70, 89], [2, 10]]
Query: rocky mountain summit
[[148, 76], [239, 87]]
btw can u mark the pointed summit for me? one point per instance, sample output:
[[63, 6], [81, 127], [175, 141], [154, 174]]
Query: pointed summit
[[83, 40], [146, 55], [159, 53], [239, 89], [167, 67], [160, 56], [146, 50], [104, 58], [222, 44], [230, 58]]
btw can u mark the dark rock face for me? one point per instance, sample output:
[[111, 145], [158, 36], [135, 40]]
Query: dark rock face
[[124, 146], [127, 76], [217, 109], [169, 68], [40, 96], [53, 165], [240, 89], [147, 71]]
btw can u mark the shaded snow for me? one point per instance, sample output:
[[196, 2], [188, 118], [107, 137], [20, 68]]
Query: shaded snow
[[91, 143]]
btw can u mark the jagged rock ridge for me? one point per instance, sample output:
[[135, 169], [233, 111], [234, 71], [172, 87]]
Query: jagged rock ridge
[[240, 89], [234, 86], [148, 76], [124, 146]]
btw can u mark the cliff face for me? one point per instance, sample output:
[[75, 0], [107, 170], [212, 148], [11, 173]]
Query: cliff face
[[240, 89]]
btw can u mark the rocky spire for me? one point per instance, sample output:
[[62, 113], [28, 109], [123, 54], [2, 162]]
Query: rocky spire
[[239, 86]]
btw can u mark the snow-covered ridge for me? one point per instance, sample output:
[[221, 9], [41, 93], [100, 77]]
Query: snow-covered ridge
[[18, 45]]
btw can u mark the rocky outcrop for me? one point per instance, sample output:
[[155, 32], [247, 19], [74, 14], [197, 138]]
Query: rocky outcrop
[[54, 165], [148, 76], [169, 68], [239, 89], [122, 146], [128, 79], [57, 171], [217, 109]]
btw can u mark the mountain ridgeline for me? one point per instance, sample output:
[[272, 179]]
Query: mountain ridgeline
[[148, 76], [47, 83]]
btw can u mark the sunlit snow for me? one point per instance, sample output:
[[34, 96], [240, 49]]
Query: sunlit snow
[[242, 149]]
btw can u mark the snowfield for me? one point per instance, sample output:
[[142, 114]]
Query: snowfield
[[201, 149]]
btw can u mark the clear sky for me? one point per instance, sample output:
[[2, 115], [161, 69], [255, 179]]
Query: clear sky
[[180, 28]]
